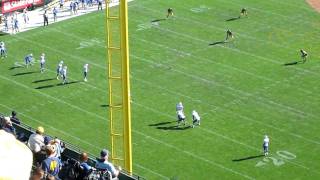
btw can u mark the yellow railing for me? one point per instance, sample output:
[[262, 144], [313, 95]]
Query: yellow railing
[[119, 84]]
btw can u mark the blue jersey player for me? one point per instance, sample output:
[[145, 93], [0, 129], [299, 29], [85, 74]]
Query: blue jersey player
[[3, 50], [28, 59], [179, 107]]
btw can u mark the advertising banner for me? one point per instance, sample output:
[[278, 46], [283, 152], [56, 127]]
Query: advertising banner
[[8, 6]]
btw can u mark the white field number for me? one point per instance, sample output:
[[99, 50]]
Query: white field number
[[146, 26], [276, 160], [89, 43], [200, 9]]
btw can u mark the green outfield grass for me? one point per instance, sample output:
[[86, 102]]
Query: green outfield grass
[[241, 89]]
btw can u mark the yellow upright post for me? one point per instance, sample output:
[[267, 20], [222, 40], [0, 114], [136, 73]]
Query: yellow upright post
[[119, 84]]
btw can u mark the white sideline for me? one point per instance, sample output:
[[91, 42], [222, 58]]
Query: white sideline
[[36, 16]]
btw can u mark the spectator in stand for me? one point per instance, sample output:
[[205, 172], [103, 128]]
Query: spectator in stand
[[47, 140], [55, 12], [6, 25], [51, 165], [8, 126], [50, 177], [36, 140], [2, 122], [57, 146], [61, 4], [38, 174], [16, 25], [15, 158], [87, 169], [74, 7], [12, 23], [104, 164], [14, 118], [45, 19], [71, 7], [25, 15], [100, 5], [83, 4]]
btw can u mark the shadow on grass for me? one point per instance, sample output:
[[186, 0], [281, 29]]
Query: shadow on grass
[[247, 158], [176, 127], [44, 80], [71, 82], [218, 42], [45, 87], [157, 20], [233, 19], [104, 105], [55, 85], [293, 63], [25, 73], [15, 67], [162, 123], [3, 33]]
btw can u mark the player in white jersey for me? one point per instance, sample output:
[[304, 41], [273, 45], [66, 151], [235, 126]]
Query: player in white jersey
[[181, 118], [195, 118], [42, 62], [59, 69], [179, 107], [64, 75], [25, 15], [85, 72], [265, 145], [3, 50]]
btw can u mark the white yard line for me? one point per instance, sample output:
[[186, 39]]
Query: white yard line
[[153, 110], [103, 119], [79, 58], [242, 52], [194, 155], [214, 27], [290, 109], [151, 171]]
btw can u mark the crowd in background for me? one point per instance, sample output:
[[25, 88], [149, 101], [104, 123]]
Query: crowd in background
[[44, 153]]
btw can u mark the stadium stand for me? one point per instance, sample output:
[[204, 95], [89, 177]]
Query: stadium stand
[[71, 157]]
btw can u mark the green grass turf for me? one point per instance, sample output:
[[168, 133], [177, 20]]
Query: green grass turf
[[241, 89]]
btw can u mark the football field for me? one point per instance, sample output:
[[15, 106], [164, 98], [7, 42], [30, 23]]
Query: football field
[[243, 89]]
